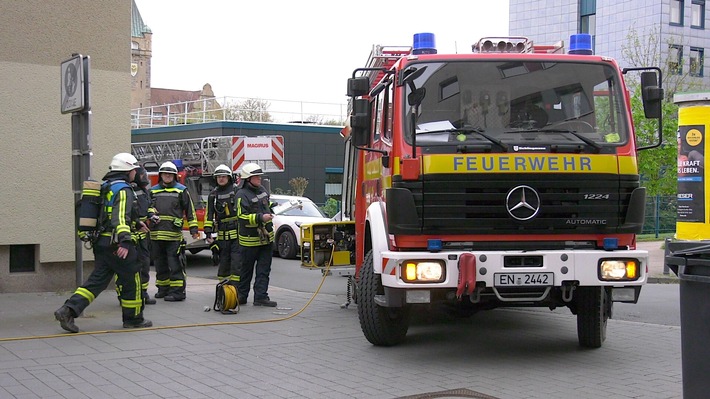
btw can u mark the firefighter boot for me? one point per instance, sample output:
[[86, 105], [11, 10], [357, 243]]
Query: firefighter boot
[[65, 316], [265, 302], [141, 323], [162, 291], [147, 299]]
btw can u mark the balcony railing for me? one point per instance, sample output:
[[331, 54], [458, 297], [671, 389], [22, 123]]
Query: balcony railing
[[238, 109]]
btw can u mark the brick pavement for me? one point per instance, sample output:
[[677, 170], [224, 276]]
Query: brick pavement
[[320, 353]]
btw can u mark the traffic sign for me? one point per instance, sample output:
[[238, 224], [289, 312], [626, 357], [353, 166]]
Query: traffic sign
[[72, 82]]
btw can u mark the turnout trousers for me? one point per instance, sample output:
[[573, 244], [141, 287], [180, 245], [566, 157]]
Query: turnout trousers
[[108, 264], [261, 256], [229, 260], [143, 246], [169, 269]]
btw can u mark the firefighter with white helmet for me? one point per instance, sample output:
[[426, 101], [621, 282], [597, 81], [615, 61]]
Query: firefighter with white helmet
[[171, 201], [115, 253], [222, 218], [256, 236]]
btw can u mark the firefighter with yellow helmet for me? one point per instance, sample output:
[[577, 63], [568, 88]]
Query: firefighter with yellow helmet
[[256, 235], [222, 218], [115, 253], [171, 201]]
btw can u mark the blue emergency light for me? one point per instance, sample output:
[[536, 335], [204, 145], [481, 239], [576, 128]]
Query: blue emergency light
[[434, 245], [580, 43], [610, 243], [424, 44]]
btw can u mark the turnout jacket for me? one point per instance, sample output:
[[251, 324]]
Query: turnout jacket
[[252, 203], [222, 214], [120, 213], [143, 207], [171, 203]]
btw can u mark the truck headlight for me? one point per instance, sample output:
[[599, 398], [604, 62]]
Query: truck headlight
[[423, 271], [618, 269]]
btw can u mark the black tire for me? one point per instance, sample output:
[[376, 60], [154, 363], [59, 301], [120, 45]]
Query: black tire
[[381, 326], [286, 245], [593, 312]]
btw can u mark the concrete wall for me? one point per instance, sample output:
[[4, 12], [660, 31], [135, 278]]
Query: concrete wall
[[36, 199]]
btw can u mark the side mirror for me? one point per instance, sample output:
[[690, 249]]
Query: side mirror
[[360, 123], [359, 86], [651, 95]]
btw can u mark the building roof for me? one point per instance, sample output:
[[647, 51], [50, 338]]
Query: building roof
[[138, 28], [172, 96]]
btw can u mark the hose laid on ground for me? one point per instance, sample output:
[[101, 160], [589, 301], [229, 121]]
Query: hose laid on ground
[[220, 323]]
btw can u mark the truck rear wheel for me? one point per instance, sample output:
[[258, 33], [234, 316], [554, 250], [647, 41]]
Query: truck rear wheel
[[381, 326], [593, 311]]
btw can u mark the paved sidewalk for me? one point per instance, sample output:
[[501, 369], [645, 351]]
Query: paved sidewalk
[[317, 350]]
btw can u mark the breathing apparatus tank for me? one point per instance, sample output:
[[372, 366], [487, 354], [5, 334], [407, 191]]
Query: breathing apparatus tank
[[90, 206]]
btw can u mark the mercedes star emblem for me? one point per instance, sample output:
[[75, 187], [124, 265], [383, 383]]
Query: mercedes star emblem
[[522, 203]]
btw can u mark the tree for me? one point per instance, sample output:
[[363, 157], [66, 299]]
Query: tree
[[251, 109], [656, 166], [298, 184]]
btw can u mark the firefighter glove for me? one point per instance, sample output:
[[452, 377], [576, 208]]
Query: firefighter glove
[[215, 254], [177, 222]]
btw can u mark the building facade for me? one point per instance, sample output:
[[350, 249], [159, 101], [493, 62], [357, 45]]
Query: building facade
[[681, 29], [37, 244], [141, 54]]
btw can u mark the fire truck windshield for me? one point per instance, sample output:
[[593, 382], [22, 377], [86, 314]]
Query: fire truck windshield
[[491, 106]]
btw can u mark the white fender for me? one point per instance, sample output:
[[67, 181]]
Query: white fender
[[378, 233]]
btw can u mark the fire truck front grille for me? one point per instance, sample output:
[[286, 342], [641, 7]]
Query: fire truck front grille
[[496, 204]]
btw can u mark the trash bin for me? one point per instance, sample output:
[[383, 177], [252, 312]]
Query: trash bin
[[690, 261]]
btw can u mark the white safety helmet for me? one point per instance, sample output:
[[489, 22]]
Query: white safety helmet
[[251, 169], [123, 162], [168, 167], [222, 170]]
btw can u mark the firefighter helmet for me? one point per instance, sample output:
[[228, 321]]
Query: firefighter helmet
[[168, 167], [222, 170], [251, 169], [123, 162]]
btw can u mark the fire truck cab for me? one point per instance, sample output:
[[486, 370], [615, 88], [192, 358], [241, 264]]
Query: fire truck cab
[[505, 177]]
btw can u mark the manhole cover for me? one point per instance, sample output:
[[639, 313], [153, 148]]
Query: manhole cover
[[453, 393]]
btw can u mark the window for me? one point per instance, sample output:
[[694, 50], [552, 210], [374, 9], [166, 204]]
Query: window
[[697, 14], [675, 59], [389, 96], [588, 18], [134, 45], [22, 258], [676, 12], [696, 61]]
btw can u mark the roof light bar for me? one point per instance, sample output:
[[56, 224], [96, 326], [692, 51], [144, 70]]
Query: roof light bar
[[514, 44]]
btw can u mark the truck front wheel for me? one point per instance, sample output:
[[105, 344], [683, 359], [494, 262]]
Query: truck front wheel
[[593, 311], [381, 326]]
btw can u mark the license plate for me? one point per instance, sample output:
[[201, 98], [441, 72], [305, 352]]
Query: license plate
[[523, 279]]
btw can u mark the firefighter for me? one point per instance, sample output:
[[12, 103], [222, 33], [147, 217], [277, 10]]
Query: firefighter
[[114, 251], [141, 185], [171, 201], [222, 214], [256, 236]]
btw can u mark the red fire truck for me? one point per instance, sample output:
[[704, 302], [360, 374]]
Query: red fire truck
[[504, 177], [196, 160]]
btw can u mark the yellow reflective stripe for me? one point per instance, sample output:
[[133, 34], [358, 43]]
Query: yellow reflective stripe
[[85, 293], [234, 277], [132, 303], [162, 283], [91, 192], [227, 235], [177, 283], [168, 218], [208, 223], [144, 286], [193, 222], [230, 219], [122, 223], [166, 235]]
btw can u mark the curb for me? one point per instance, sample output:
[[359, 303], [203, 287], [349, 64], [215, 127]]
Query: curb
[[663, 279]]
